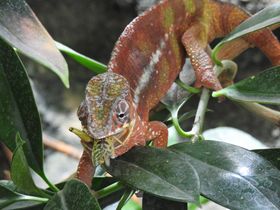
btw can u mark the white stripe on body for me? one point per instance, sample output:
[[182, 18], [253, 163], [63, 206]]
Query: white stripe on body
[[148, 71]]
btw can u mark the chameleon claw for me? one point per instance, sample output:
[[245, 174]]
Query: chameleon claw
[[81, 134]]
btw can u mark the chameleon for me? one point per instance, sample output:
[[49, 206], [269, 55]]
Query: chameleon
[[145, 61]]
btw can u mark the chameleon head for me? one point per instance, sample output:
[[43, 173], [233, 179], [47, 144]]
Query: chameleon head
[[107, 112]]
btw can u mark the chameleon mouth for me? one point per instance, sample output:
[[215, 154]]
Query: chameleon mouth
[[104, 148]]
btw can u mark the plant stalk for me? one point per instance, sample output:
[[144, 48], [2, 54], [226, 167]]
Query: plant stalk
[[52, 186], [200, 114], [109, 189]]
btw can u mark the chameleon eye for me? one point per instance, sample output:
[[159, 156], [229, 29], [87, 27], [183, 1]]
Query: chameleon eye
[[122, 111]]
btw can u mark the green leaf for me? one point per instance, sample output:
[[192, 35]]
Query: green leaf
[[232, 176], [20, 27], [20, 172], [266, 17], [155, 203], [99, 182], [272, 155], [75, 195], [132, 205], [87, 62], [202, 200], [262, 88], [18, 111], [157, 171], [10, 199], [128, 193]]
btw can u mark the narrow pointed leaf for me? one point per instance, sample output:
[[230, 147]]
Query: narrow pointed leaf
[[266, 17], [75, 195], [262, 88], [20, 172], [10, 199], [87, 62], [159, 172], [232, 176], [128, 193], [18, 111], [272, 155], [20, 27]]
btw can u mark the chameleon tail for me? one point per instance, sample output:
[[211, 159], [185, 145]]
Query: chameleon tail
[[225, 17], [231, 16]]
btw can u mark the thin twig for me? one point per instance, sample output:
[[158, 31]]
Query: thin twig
[[62, 147]]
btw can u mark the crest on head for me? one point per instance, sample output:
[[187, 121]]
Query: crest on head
[[107, 108]]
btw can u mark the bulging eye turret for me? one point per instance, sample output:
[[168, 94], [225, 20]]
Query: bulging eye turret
[[122, 111]]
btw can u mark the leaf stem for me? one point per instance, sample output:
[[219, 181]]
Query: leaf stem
[[52, 186], [109, 190], [214, 53], [200, 115], [24, 198], [181, 132], [33, 198], [188, 88], [91, 64]]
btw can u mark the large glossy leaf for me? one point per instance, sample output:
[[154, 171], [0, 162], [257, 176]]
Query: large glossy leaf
[[155, 203], [272, 155], [87, 62], [20, 28], [262, 88], [20, 172], [232, 176], [18, 111], [157, 171], [10, 199], [75, 195], [266, 17]]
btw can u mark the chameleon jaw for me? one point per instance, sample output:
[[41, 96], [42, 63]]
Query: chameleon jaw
[[104, 148]]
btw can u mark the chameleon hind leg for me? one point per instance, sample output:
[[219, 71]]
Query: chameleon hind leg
[[195, 42], [158, 133]]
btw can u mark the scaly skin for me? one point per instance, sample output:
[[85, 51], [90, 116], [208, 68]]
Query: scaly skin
[[149, 56]]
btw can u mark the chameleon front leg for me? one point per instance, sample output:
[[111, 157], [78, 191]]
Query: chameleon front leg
[[158, 133], [86, 169]]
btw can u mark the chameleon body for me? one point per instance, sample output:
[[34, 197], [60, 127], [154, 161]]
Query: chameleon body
[[145, 62]]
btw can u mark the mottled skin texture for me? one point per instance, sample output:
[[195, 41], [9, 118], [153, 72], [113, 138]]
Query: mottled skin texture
[[149, 55]]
